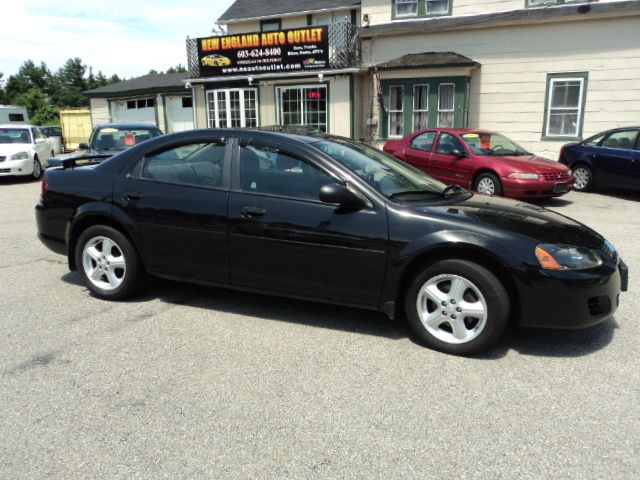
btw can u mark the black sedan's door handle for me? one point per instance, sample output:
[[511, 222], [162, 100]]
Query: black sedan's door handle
[[130, 196], [249, 211]]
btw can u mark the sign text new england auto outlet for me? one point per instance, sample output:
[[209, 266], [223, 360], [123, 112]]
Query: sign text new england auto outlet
[[297, 49]]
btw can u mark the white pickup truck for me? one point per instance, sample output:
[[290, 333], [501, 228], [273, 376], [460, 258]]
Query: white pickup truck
[[24, 150]]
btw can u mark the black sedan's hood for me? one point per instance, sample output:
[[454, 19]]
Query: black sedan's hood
[[518, 217]]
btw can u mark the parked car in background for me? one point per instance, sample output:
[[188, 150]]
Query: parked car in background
[[55, 134], [108, 139], [485, 161], [610, 158], [24, 150], [327, 219], [13, 115]]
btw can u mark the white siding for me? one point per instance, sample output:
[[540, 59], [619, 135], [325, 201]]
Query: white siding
[[380, 11], [99, 111], [508, 92], [243, 27]]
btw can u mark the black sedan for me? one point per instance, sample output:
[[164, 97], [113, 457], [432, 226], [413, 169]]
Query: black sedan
[[327, 219], [610, 159]]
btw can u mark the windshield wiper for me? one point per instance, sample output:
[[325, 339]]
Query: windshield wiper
[[414, 192]]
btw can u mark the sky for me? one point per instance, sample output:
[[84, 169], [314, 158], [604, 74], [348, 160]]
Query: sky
[[127, 38]]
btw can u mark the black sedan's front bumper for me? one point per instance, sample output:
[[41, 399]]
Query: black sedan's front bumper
[[571, 299]]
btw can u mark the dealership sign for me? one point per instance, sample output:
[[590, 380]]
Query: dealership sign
[[294, 50]]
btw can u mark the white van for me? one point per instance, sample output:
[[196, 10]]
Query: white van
[[11, 115]]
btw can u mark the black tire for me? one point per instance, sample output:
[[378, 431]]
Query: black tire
[[110, 282], [584, 178], [482, 289], [484, 180], [37, 168]]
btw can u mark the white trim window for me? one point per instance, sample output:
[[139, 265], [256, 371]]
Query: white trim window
[[303, 105], [406, 8], [232, 108], [396, 111], [420, 106], [446, 104], [565, 108]]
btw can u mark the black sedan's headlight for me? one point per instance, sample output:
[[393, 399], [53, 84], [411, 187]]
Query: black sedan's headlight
[[566, 257]]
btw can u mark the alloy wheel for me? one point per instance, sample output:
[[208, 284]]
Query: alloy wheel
[[104, 263], [452, 308], [583, 178]]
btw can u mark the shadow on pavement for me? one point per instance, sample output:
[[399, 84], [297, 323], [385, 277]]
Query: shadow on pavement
[[17, 180], [535, 342], [544, 342], [266, 307], [552, 202], [622, 194]]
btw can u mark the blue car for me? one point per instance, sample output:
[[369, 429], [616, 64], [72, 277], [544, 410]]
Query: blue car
[[610, 159], [108, 139]]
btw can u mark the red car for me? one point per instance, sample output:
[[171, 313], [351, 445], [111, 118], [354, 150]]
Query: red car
[[485, 161]]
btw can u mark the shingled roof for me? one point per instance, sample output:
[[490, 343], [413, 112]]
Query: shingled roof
[[250, 9], [427, 60], [150, 83]]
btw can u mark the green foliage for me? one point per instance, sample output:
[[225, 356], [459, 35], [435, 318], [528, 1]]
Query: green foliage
[[44, 93], [41, 112], [177, 69], [3, 98]]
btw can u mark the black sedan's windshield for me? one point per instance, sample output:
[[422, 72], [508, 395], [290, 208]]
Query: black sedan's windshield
[[492, 144], [385, 173]]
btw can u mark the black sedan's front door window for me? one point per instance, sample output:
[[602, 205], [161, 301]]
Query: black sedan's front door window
[[282, 238]]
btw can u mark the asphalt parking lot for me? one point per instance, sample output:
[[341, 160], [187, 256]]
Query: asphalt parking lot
[[188, 381]]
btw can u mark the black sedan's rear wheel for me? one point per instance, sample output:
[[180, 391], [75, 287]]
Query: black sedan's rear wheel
[[108, 263], [584, 178], [457, 307]]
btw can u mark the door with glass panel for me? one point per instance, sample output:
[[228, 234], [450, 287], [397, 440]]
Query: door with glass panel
[[232, 108]]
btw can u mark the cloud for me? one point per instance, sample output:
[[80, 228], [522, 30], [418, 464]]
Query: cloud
[[117, 37]]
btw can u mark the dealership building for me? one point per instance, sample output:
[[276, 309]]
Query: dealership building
[[544, 72]]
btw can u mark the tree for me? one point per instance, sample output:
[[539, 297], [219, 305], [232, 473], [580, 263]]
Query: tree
[[177, 69], [3, 100], [41, 112], [43, 93], [29, 76], [70, 84]]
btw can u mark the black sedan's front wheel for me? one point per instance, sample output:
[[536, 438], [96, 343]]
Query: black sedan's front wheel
[[457, 307], [108, 263]]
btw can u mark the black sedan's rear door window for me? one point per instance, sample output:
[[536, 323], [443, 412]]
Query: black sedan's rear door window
[[198, 164]]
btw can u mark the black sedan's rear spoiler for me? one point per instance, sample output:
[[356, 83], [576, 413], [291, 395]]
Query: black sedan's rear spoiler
[[80, 160]]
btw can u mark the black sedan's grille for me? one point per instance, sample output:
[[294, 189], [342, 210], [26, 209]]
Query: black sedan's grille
[[554, 176]]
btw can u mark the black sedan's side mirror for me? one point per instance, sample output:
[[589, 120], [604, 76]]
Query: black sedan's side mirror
[[458, 154], [337, 193], [83, 146]]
